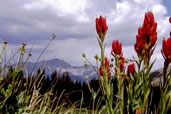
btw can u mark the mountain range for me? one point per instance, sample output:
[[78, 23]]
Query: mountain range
[[76, 72], [50, 66]]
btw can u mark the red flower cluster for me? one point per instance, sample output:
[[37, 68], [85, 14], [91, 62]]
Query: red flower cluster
[[106, 69], [166, 52], [147, 35], [101, 27], [131, 70], [117, 50], [166, 48], [117, 47]]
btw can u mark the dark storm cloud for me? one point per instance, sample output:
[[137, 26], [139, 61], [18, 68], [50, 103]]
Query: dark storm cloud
[[17, 24]]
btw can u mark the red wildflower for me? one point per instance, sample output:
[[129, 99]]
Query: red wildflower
[[106, 68], [166, 52], [101, 27], [166, 48], [117, 47], [147, 35], [131, 69]]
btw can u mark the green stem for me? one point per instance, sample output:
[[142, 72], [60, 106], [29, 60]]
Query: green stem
[[53, 37]]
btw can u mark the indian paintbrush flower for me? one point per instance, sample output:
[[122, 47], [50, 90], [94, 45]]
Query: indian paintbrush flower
[[166, 48], [101, 27], [117, 53], [117, 47], [146, 37], [166, 52], [131, 69], [106, 68]]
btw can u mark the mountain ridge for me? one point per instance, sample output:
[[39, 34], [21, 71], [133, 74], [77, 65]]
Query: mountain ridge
[[52, 65]]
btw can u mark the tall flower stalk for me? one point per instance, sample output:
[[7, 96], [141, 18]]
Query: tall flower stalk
[[144, 47], [165, 100], [120, 75], [104, 70], [166, 52]]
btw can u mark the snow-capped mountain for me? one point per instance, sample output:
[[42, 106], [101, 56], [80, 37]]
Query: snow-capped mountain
[[75, 72]]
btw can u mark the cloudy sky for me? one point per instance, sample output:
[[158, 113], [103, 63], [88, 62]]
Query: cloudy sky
[[73, 22]]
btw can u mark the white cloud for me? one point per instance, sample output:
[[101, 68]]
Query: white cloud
[[61, 7]]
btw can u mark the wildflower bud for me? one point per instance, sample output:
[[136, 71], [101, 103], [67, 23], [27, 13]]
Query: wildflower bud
[[5, 43], [85, 64], [24, 44], [30, 54], [83, 55], [86, 77], [96, 57]]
